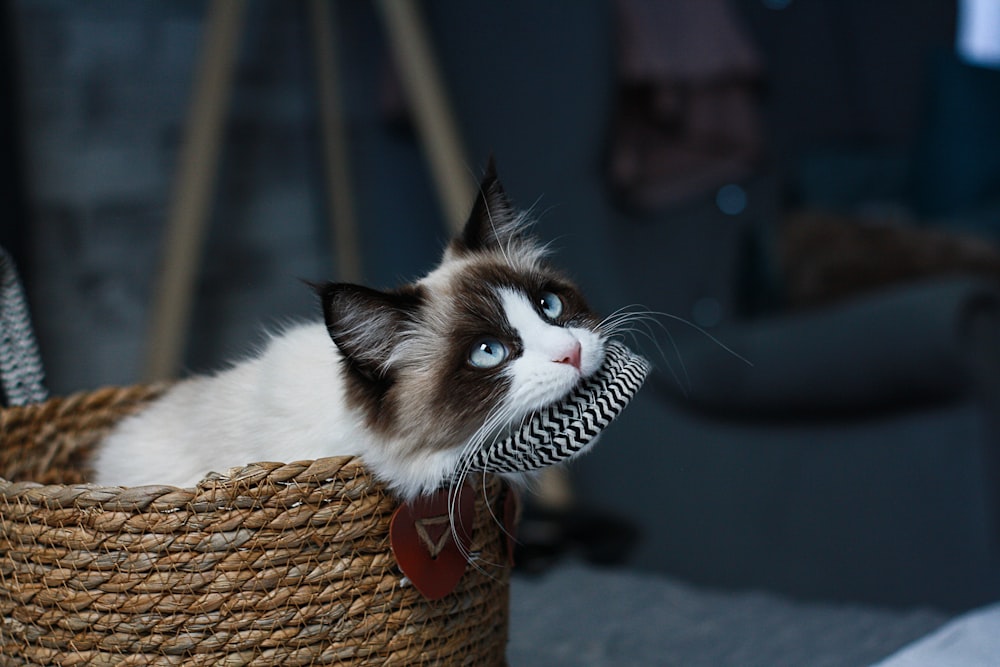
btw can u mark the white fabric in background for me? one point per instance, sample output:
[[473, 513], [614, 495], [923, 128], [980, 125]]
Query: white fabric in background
[[971, 640], [977, 38]]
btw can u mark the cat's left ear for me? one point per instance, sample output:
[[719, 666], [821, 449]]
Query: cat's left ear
[[493, 221], [366, 324]]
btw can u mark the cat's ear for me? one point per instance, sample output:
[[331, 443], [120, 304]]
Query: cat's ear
[[366, 324], [493, 221]]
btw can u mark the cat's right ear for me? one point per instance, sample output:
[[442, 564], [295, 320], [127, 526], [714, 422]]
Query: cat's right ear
[[493, 222], [366, 324]]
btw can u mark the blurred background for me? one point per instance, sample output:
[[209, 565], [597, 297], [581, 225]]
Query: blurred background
[[813, 184]]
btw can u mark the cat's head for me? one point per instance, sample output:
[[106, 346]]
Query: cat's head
[[485, 339]]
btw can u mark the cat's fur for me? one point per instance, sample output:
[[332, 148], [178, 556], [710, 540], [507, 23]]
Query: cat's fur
[[387, 377]]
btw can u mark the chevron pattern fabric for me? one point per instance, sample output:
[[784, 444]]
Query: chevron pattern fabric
[[21, 376], [564, 429]]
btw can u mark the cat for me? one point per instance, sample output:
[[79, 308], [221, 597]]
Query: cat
[[408, 380]]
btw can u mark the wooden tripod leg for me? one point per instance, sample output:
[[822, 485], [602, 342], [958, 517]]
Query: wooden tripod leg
[[335, 142], [193, 188], [414, 59]]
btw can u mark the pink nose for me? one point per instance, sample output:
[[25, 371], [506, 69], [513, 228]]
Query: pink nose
[[571, 356]]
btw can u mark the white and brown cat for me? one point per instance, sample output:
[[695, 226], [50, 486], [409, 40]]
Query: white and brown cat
[[409, 380]]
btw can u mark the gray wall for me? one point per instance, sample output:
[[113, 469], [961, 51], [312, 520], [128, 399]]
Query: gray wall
[[105, 92]]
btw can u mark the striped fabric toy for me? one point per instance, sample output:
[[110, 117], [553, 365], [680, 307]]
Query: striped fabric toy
[[562, 430]]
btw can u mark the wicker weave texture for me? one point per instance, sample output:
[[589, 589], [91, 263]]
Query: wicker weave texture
[[275, 564]]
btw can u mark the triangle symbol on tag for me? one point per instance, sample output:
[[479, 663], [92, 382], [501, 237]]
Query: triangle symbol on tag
[[434, 532], [425, 545]]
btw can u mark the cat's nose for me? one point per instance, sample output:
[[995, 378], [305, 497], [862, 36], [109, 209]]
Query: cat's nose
[[571, 356]]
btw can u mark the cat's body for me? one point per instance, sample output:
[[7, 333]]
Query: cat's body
[[408, 380]]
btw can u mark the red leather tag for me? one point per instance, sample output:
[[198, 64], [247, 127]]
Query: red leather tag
[[424, 543]]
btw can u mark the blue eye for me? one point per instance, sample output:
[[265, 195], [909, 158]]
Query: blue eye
[[551, 305], [487, 353]]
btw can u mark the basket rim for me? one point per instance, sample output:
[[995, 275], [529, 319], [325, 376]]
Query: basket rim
[[216, 490]]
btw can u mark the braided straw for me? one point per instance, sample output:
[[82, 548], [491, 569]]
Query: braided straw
[[271, 564]]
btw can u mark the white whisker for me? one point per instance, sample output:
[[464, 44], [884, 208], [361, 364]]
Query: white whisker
[[633, 320], [493, 425]]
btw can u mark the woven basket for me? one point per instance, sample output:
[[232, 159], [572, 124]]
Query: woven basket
[[272, 565]]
